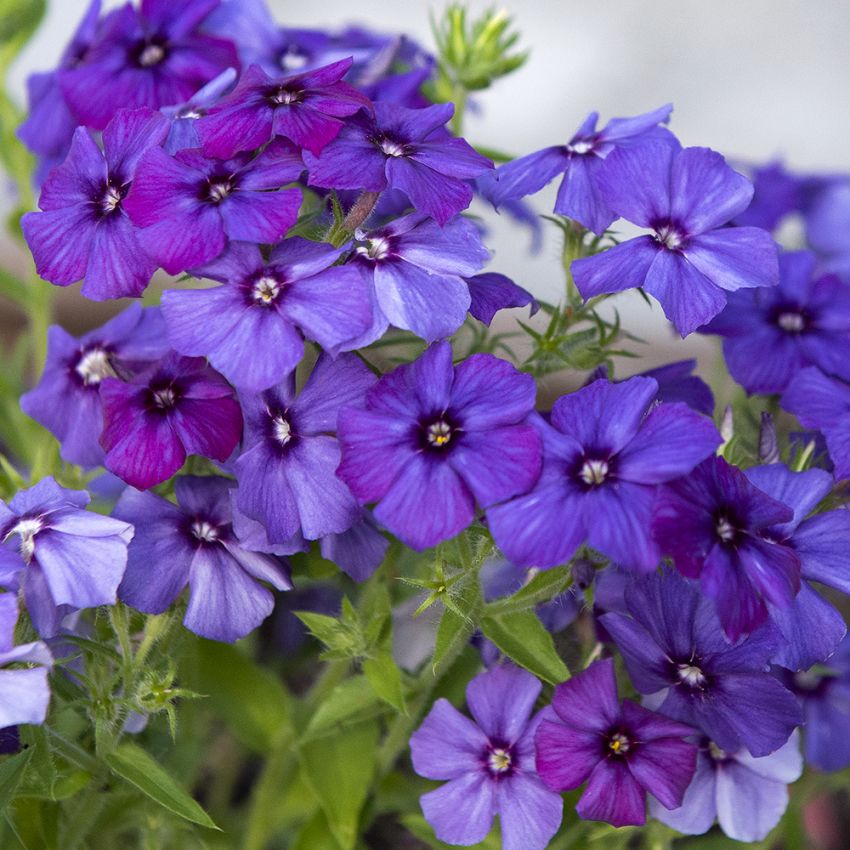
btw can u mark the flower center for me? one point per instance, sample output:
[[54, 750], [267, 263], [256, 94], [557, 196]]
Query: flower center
[[218, 189], [669, 236], [499, 761], [94, 366], [715, 752], [377, 248], [619, 744], [28, 529], [725, 530], [164, 398], [690, 675], [594, 472], [151, 54], [282, 430], [438, 433], [283, 97], [291, 59], [807, 680], [265, 290], [392, 148], [791, 321], [580, 147], [110, 199], [205, 531]]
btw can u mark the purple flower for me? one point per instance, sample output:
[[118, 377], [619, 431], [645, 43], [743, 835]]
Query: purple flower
[[489, 765], [492, 292], [827, 215], [178, 406], [607, 448], [677, 383], [24, 692], [580, 195], [415, 272], [811, 626], [286, 470], [188, 206], [251, 328], [50, 126], [184, 117], [672, 642], [434, 439], [66, 400], [151, 57], [770, 334], [746, 795], [823, 403], [405, 149], [689, 262], [192, 543], [621, 751], [83, 230], [824, 694], [305, 108], [777, 193], [65, 558], [712, 523]]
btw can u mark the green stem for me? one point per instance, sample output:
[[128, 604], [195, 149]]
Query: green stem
[[459, 97]]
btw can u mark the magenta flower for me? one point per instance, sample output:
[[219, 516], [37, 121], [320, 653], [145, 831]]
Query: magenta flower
[[66, 558], [152, 56], [188, 206], [192, 543], [178, 407], [433, 439], [305, 108], [489, 765], [83, 230], [405, 149], [686, 197], [66, 400], [252, 328], [621, 752]]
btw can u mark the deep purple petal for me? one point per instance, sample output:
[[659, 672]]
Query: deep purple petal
[[527, 175], [488, 393], [588, 701], [735, 257], [613, 795], [625, 266]]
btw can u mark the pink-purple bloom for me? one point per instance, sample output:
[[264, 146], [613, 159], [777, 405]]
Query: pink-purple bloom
[[193, 544], [488, 763], [415, 275], [405, 149], [63, 557], [433, 439], [746, 795], [177, 407], [714, 524], [252, 329], [770, 334], [305, 108], [620, 751], [152, 56], [24, 691], [579, 161], [691, 259], [184, 117], [189, 206], [66, 400], [606, 449], [83, 230], [286, 469], [673, 645]]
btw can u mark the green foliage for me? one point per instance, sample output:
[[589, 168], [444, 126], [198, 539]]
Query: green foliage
[[523, 638]]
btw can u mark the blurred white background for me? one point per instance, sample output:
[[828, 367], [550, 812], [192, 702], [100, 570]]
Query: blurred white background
[[754, 79]]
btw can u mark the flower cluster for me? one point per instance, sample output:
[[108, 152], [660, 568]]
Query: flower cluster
[[305, 399]]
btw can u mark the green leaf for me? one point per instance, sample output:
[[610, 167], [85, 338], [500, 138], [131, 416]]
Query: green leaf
[[339, 770], [139, 768], [522, 637], [385, 677], [544, 586], [251, 700], [316, 835], [11, 772], [348, 704]]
